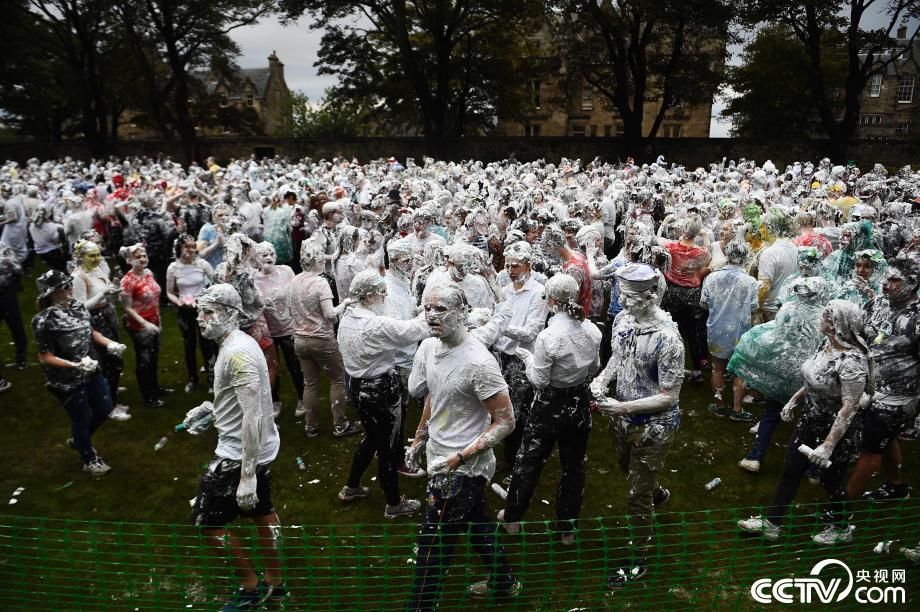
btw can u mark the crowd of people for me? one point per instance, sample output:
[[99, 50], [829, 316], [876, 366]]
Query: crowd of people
[[506, 301]]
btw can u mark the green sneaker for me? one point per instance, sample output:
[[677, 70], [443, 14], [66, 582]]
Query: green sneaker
[[244, 600], [717, 410]]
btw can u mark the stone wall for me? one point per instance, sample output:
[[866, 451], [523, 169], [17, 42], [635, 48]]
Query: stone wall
[[691, 152]]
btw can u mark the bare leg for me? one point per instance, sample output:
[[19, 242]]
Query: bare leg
[[717, 380], [868, 464], [241, 564], [269, 528], [271, 360], [737, 393]]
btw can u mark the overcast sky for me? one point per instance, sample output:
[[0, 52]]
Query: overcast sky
[[297, 45]]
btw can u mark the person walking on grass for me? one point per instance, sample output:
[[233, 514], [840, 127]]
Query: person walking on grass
[[238, 480]]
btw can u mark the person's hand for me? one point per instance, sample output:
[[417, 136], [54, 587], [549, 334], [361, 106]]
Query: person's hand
[[821, 456], [150, 328], [413, 453], [598, 388], [612, 408], [87, 365], [439, 466], [786, 413], [246, 497], [453, 462], [522, 353], [112, 291], [116, 348], [193, 418]]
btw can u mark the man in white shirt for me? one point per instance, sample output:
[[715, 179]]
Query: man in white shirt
[[238, 480], [368, 342], [528, 316], [467, 413], [777, 262], [422, 220]]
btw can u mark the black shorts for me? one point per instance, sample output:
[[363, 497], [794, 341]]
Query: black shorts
[[216, 504], [884, 421]]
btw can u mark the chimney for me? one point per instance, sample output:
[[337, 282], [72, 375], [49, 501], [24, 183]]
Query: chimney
[[275, 66], [902, 32]]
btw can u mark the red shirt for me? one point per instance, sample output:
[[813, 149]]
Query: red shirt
[[577, 268], [686, 264], [145, 295], [814, 240]]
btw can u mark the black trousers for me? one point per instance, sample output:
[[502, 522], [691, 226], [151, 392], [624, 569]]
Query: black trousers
[[683, 303], [187, 318], [521, 392], [285, 346], [557, 416], [88, 406], [9, 312], [146, 362], [379, 408], [796, 465], [105, 321], [456, 507], [55, 259]]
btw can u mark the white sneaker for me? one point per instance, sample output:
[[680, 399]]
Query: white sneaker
[[912, 553], [119, 413], [754, 429], [834, 535], [96, 466], [300, 410], [405, 507], [749, 465], [276, 409], [760, 526], [512, 528]]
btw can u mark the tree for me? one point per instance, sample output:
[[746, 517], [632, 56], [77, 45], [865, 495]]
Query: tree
[[447, 65], [189, 35], [328, 119], [774, 98], [634, 51], [823, 25]]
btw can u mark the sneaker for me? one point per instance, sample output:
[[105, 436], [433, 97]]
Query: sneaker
[[718, 410], [411, 472], [760, 526], [190, 386], [405, 507], [300, 410], [888, 492], [749, 465], [118, 414], [272, 596], [750, 399], [912, 553], [755, 428], [5, 385], [741, 417], [626, 575], [661, 496], [96, 466], [482, 590], [312, 432], [276, 409], [348, 494], [348, 429], [834, 535], [909, 435], [244, 600], [511, 528]]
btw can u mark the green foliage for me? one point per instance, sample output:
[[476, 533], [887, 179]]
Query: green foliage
[[329, 118], [774, 97]]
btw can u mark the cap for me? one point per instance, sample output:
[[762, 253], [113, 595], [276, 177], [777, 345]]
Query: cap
[[638, 277], [50, 281]]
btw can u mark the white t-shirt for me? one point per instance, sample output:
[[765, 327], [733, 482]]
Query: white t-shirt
[[241, 363], [778, 262], [459, 379], [191, 279], [46, 237]]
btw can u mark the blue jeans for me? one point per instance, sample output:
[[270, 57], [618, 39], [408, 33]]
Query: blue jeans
[[768, 424], [88, 406]]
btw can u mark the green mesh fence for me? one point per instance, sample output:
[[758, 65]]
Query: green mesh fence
[[700, 561]]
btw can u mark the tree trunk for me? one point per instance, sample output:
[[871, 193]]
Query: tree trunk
[[184, 121]]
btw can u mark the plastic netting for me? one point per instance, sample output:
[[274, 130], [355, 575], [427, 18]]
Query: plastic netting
[[699, 560]]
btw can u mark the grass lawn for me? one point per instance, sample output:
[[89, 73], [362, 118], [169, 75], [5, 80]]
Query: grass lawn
[[142, 555]]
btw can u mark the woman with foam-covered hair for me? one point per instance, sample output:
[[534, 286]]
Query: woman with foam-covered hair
[[565, 356]]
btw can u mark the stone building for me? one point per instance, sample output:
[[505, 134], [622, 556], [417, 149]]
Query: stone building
[[890, 107], [259, 91], [557, 110]]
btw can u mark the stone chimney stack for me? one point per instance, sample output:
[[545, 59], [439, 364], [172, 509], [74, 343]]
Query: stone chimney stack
[[275, 66]]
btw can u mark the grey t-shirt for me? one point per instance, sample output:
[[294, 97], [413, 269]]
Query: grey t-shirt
[[778, 262]]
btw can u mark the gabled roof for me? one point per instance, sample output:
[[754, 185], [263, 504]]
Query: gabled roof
[[259, 78]]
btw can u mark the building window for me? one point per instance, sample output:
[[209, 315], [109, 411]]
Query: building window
[[249, 99], [593, 130], [587, 99], [535, 93], [875, 86], [607, 130], [578, 130], [870, 120], [906, 88], [902, 127], [621, 131], [532, 130], [671, 130]]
